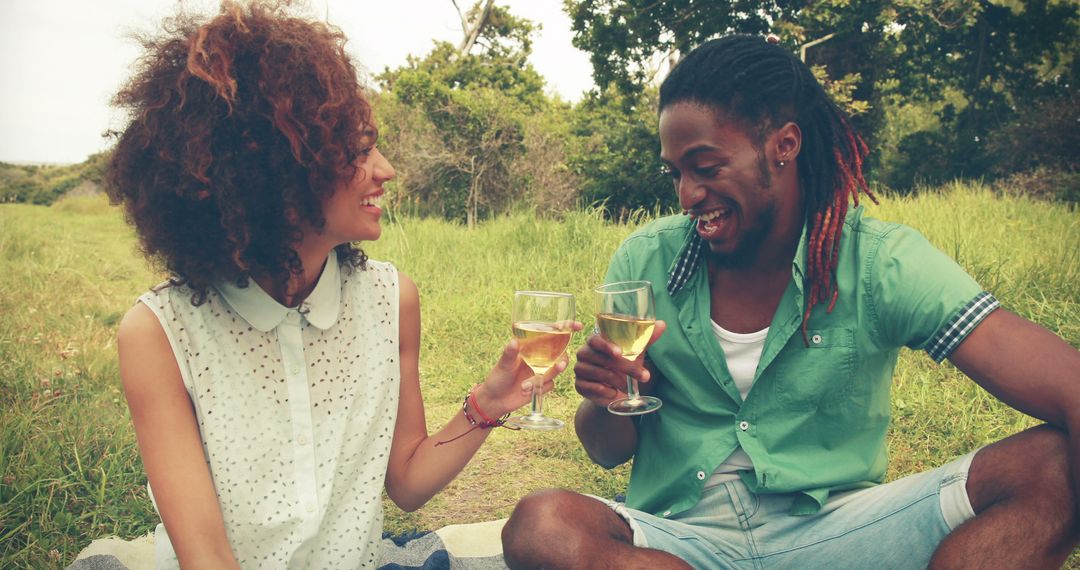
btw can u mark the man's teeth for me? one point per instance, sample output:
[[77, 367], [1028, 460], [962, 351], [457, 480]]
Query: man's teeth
[[712, 215]]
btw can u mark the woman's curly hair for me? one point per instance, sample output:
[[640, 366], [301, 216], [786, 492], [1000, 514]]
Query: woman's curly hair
[[241, 125]]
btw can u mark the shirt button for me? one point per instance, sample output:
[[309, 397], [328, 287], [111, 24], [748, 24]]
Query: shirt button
[[816, 339], [667, 513], [301, 440], [701, 475], [310, 508], [744, 425], [295, 370]]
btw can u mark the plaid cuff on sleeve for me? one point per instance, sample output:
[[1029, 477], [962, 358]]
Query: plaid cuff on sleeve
[[949, 337]]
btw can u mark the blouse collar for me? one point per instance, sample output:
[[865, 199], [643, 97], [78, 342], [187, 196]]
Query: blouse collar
[[264, 313]]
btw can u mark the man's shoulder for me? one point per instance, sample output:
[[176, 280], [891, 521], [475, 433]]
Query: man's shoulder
[[858, 222], [870, 234]]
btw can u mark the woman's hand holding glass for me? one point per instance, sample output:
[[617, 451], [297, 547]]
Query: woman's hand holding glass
[[510, 384], [542, 323]]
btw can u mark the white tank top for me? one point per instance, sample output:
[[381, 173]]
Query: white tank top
[[296, 411], [742, 352]]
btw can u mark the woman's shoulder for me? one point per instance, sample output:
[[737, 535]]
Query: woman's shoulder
[[380, 267], [169, 290], [372, 272]]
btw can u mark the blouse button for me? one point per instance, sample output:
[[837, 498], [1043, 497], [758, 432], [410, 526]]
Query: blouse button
[[701, 475], [667, 513], [744, 425], [301, 440], [816, 339], [310, 508]]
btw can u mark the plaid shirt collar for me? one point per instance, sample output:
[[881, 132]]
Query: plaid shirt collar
[[686, 262]]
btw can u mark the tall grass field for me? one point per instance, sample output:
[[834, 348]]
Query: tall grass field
[[70, 470]]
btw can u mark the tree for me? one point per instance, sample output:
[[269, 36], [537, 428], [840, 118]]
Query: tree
[[999, 58], [973, 62], [459, 116], [623, 37], [616, 153]]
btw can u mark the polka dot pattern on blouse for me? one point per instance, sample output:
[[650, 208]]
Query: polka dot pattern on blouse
[[296, 410]]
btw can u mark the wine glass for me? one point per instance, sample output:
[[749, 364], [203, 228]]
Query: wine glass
[[542, 326], [626, 318]]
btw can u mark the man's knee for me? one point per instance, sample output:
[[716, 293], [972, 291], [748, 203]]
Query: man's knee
[[1031, 466], [550, 523], [534, 518], [536, 511]]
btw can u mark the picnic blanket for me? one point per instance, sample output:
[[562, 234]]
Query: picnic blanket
[[476, 546]]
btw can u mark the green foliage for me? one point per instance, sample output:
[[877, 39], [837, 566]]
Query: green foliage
[[1044, 183], [459, 121], [982, 66], [69, 467], [616, 154], [474, 137], [979, 66], [624, 36], [1043, 134], [44, 184]]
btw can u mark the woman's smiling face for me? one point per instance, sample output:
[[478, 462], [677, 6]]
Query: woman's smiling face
[[352, 213]]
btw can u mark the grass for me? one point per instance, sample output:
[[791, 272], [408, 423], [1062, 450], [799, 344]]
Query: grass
[[68, 461]]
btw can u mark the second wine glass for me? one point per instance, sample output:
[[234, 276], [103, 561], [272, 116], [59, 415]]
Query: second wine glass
[[542, 325], [626, 318]]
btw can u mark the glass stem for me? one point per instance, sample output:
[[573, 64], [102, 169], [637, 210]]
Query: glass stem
[[537, 398], [631, 388]]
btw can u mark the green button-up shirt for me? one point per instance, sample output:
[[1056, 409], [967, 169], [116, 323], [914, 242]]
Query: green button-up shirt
[[816, 416]]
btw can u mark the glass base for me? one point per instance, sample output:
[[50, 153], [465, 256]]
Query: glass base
[[535, 422], [635, 406]]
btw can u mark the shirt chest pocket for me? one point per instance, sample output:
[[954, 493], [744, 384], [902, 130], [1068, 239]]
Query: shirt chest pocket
[[818, 376]]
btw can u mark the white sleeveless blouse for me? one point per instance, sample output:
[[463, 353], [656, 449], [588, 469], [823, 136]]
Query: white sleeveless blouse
[[296, 412]]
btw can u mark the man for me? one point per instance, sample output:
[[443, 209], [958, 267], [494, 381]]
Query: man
[[780, 317]]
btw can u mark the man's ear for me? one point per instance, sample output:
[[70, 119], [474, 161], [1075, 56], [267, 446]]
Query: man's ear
[[787, 141]]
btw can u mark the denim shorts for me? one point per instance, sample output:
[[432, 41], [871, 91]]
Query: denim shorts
[[895, 525]]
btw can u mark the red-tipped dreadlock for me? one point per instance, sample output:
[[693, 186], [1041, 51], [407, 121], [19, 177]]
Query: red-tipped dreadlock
[[824, 231], [766, 85]]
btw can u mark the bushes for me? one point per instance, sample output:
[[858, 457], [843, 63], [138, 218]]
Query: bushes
[[43, 185], [1043, 183]]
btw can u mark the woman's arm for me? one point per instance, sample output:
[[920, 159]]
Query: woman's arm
[[169, 443], [418, 469]]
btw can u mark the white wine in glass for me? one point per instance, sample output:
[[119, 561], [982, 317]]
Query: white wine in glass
[[626, 318], [542, 326]]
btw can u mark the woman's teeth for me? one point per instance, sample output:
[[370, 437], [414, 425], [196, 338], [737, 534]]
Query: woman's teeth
[[371, 201]]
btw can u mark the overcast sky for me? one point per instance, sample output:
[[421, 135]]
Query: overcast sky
[[61, 60]]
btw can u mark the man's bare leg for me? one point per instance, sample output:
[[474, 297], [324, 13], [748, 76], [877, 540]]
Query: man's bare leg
[[1025, 510], [559, 529]]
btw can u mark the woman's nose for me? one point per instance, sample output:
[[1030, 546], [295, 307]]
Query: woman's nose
[[382, 170]]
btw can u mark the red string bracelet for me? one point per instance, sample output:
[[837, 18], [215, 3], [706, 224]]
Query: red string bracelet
[[487, 423]]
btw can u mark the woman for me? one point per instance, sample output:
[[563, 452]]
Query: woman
[[273, 380]]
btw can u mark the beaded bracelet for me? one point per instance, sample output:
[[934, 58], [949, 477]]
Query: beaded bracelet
[[487, 423]]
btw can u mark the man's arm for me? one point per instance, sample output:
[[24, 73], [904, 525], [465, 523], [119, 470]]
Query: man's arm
[[1028, 368]]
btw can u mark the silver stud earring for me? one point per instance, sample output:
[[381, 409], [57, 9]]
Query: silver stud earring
[[780, 164]]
